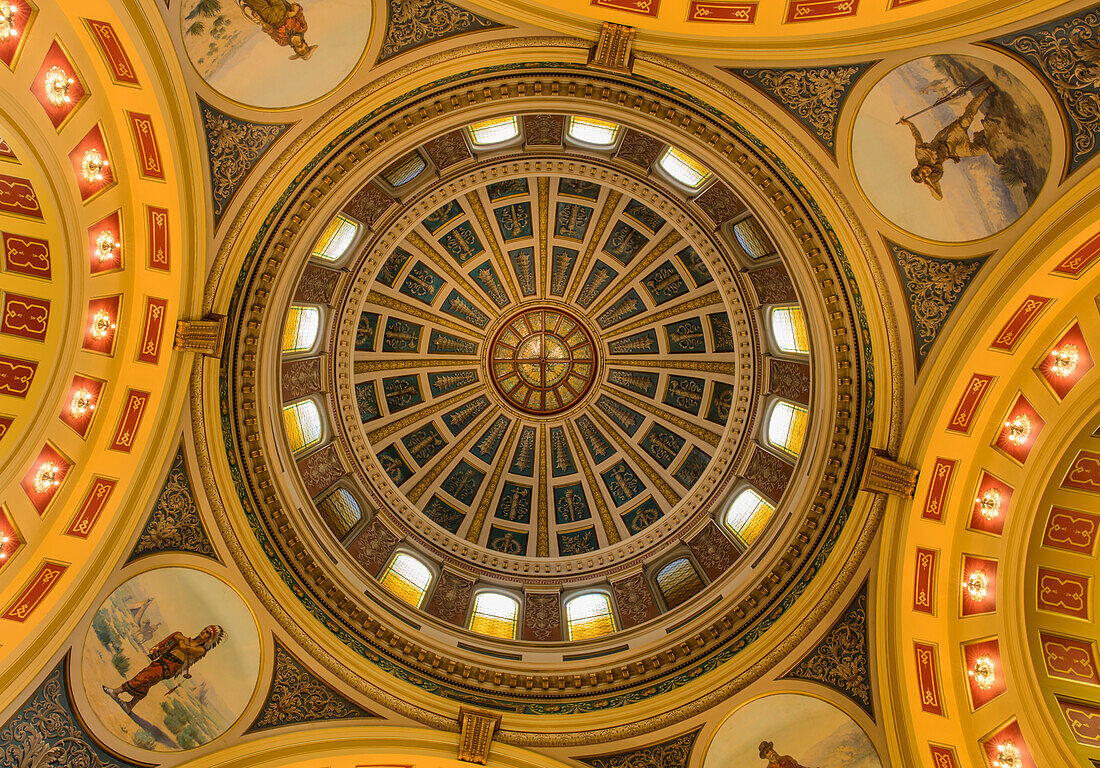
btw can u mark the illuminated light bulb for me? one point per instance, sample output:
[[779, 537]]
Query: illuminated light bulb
[[81, 404], [58, 82], [1019, 429], [977, 585], [46, 477], [106, 245], [92, 166], [101, 324], [1065, 360], [7, 21], [989, 504], [1008, 755], [984, 672]]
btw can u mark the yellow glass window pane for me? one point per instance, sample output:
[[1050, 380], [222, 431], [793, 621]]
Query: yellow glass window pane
[[335, 240], [302, 324], [589, 616], [340, 511], [748, 515], [404, 170], [753, 239], [593, 131], [408, 579], [789, 327], [494, 131], [495, 614], [787, 427], [303, 424], [678, 582], [684, 168]]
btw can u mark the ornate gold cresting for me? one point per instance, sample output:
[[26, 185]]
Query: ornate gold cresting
[[203, 336], [884, 475], [613, 51], [478, 729]]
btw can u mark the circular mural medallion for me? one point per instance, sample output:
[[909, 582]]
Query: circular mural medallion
[[543, 361], [951, 148], [789, 730], [274, 53], [171, 659]]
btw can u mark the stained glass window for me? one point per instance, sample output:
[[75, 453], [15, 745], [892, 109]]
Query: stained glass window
[[407, 578], [494, 131], [678, 582], [748, 514], [588, 616], [336, 238], [302, 324], [787, 427], [404, 170], [753, 239], [789, 327], [495, 614], [684, 168], [593, 131], [340, 511], [303, 424]]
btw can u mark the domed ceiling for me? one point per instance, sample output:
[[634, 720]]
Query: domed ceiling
[[545, 366], [555, 372]]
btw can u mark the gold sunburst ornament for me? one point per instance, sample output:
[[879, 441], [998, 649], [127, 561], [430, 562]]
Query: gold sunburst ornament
[[7, 21], [105, 246], [57, 83], [1019, 429], [984, 672], [1008, 755], [1065, 360], [989, 504], [977, 585], [93, 165], [48, 476], [81, 404], [102, 324]]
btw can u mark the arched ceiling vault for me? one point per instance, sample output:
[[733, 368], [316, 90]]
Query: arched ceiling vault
[[938, 627], [100, 457]]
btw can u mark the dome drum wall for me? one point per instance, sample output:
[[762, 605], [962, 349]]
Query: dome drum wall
[[428, 656]]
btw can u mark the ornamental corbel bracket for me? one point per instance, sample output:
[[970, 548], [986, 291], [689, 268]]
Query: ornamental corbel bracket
[[478, 729], [884, 475]]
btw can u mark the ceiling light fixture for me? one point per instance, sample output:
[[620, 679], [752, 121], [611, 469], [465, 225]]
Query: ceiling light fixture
[[7, 21], [101, 324], [106, 245], [4, 539], [977, 585], [93, 165], [1065, 360], [984, 672], [1019, 429], [1008, 755], [989, 504], [82, 403], [48, 476], [58, 82]]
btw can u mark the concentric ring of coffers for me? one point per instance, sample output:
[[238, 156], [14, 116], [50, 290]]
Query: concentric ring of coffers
[[495, 253]]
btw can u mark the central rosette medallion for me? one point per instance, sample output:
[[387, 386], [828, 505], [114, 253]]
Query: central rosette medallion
[[543, 360]]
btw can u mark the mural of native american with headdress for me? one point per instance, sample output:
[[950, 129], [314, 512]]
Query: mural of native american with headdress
[[171, 657]]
